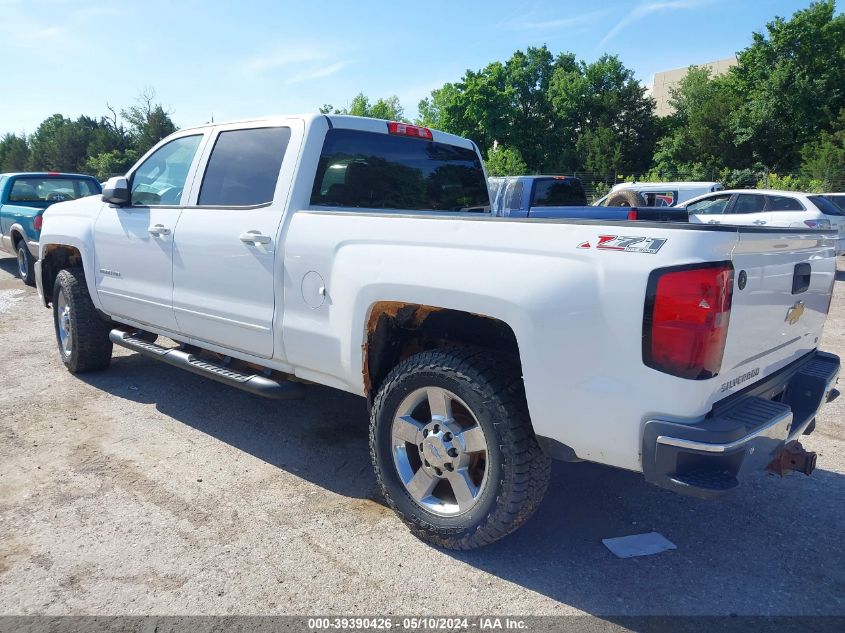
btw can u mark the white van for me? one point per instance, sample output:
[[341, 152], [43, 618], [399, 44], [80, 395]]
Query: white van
[[663, 194]]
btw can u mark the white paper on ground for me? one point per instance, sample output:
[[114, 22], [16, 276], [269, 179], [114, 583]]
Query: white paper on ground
[[638, 544]]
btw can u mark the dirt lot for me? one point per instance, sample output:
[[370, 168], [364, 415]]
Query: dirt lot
[[147, 490]]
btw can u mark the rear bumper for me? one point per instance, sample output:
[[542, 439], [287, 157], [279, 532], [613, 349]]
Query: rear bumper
[[743, 433]]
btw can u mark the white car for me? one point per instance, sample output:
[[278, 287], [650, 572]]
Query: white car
[[768, 207], [663, 194], [356, 253]]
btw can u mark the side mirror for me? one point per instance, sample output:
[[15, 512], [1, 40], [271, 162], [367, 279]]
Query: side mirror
[[116, 191]]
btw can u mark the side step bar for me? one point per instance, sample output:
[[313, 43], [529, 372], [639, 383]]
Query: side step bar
[[253, 383]]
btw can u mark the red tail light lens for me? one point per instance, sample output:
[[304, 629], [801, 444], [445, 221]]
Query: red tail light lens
[[632, 214], [37, 222], [685, 324], [403, 129]]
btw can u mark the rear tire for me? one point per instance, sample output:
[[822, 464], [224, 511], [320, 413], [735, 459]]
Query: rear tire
[[626, 198], [486, 474], [26, 264], [82, 335]]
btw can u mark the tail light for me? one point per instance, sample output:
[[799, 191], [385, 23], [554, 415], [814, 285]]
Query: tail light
[[818, 224], [37, 222], [632, 214], [685, 324], [415, 131]]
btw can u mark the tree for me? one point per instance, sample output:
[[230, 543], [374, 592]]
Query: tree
[[505, 161], [148, 122], [792, 83], [390, 108], [60, 144], [605, 106], [14, 153], [824, 158], [700, 130], [556, 113]]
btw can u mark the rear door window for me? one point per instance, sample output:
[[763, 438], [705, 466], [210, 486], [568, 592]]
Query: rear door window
[[369, 170], [244, 167], [558, 192], [749, 203], [784, 203]]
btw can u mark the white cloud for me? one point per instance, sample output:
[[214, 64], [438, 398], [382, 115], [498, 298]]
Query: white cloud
[[301, 62], [568, 22], [644, 9], [317, 72]]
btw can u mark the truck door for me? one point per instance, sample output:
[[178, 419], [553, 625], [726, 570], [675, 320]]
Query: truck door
[[227, 255], [133, 245]]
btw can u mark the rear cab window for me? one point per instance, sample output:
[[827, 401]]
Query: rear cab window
[[369, 170], [558, 192], [47, 190]]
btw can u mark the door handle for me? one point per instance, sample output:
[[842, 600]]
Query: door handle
[[759, 221], [158, 230], [255, 237]]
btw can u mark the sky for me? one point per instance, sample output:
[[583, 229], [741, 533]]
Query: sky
[[234, 60]]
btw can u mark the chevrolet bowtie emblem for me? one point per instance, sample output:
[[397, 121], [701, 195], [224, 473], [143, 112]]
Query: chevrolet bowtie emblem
[[795, 312]]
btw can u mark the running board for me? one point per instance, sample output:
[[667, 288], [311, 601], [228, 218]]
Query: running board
[[253, 383]]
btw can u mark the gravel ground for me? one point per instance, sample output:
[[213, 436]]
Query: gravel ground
[[147, 490]]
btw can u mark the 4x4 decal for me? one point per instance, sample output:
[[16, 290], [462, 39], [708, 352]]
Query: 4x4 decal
[[630, 244]]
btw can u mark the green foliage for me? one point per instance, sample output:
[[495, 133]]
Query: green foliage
[[790, 183], [389, 108], [98, 146], [114, 163], [791, 82], [148, 122], [505, 161], [14, 153], [823, 159], [557, 113]]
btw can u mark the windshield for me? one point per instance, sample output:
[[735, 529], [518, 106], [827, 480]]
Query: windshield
[[44, 191], [380, 171]]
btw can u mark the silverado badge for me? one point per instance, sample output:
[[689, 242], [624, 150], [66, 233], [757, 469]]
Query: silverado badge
[[794, 313]]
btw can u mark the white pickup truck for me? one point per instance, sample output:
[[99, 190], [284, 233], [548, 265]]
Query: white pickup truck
[[361, 254]]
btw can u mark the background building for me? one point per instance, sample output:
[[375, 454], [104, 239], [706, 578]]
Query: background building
[[665, 80]]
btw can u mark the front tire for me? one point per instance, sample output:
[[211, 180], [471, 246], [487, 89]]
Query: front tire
[[26, 264], [453, 448], [82, 335]]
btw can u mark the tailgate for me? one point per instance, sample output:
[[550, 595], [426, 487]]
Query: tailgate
[[781, 295]]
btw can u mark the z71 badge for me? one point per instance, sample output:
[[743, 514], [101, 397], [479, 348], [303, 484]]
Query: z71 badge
[[630, 244]]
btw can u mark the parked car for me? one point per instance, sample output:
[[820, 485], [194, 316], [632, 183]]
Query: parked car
[[349, 252], [562, 197], [765, 207], [655, 194], [23, 198]]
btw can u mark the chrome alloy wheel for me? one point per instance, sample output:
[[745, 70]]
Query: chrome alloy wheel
[[64, 325], [440, 451], [22, 267]]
